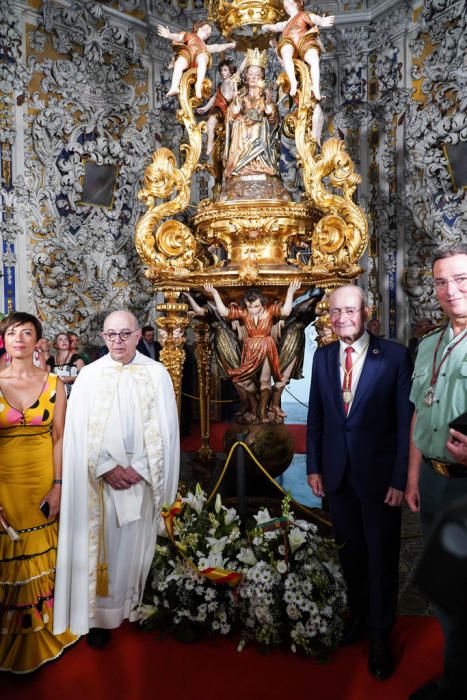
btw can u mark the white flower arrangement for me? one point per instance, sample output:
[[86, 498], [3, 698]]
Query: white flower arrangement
[[279, 584]]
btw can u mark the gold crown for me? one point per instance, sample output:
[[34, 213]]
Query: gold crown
[[234, 15], [255, 57]]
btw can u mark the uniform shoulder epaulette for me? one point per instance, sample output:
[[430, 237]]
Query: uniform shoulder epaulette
[[438, 329]]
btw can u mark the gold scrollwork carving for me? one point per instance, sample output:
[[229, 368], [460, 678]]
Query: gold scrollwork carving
[[341, 236], [172, 247]]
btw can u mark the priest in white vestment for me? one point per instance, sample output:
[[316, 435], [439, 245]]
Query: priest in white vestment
[[120, 465]]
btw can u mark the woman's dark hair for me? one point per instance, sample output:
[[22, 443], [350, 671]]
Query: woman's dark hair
[[19, 318], [230, 65]]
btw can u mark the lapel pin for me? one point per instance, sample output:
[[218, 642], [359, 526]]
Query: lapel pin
[[375, 351]]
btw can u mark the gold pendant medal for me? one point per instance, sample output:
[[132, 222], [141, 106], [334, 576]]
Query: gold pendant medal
[[429, 397], [347, 395]]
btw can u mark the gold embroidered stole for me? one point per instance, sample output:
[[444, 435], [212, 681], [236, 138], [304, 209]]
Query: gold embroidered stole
[[99, 412]]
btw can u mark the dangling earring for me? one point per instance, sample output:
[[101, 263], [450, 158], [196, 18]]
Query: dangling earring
[[36, 355], [7, 357]]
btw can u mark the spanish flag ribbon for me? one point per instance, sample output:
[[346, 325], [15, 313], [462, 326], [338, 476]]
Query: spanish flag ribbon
[[221, 576], [214, 574], [169, 514]]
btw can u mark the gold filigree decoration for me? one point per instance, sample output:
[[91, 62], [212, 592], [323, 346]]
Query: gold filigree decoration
[[249, 271], [173, 325], [232, 15], [341, 237], [172, 247]]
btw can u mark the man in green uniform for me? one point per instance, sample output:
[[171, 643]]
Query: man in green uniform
[[438, 455]]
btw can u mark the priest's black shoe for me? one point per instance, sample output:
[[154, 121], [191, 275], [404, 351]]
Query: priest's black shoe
[[380, 659], [98, 638], [434, 691], [354, 630]]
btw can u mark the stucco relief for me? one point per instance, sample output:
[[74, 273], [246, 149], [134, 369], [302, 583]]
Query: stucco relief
[[436, 213], [91, 105]]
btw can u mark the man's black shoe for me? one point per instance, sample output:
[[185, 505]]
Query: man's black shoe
[[354, 631], [98, 638], [433, 691], [380, 659]]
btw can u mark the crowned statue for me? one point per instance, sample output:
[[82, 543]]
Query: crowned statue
[[252, 124]]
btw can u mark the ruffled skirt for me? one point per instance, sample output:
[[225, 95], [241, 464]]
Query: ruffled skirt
[[27, 566]]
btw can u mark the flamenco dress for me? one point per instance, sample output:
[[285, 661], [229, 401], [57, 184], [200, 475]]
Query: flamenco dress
[[27, 566]]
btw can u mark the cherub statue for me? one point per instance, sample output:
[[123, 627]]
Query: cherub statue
[[300, 38], [191, 51], [260, 360], [219, 102]]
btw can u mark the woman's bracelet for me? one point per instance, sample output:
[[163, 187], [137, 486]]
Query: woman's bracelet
[[57, 481]]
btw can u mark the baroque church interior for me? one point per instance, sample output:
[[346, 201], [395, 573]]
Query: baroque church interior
[[83, 111], [85, 82]]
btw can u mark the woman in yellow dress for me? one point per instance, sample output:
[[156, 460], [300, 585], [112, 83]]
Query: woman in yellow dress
[[32, 416]]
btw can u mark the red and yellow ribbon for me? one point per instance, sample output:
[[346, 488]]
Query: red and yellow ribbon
[[214, 574]]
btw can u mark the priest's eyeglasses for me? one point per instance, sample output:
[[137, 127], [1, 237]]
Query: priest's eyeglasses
[[112, 336], [347, 310], [460, 281]]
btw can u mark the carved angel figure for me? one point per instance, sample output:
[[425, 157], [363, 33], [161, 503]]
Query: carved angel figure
[[191, 51], [260, 361], [300, 39], [219, 102]]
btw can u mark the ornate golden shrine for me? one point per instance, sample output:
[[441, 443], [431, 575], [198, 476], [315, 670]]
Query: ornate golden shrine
[[256, 234]]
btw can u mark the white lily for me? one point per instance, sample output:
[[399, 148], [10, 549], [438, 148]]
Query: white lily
[[247, 556], [230, 515], [218, 504], [217, 545], [296, 538], [262, 516], [196, 500], [212, 561]]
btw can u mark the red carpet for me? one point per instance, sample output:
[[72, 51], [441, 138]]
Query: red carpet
[[138, 666], [192, 442]]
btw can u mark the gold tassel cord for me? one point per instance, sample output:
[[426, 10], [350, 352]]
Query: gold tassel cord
[[102, 579]]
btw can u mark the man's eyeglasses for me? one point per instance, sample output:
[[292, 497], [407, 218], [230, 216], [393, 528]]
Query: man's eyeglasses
[[348, 311], [460, 281], [112, 336]]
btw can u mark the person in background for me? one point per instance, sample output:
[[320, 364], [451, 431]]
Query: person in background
[[438, 454], [374, 326], [147, 345], [32, 416], [357, 453], [120, 465], [73, 340], [65, 363], [42, 354]]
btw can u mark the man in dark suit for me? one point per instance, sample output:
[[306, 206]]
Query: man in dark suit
[[147, 345], [357, 452]]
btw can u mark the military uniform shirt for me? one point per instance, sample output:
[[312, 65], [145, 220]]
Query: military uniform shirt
[[431, 430]]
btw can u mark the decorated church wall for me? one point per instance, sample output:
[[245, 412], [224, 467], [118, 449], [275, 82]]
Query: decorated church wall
[[81, 130], [83, 95]]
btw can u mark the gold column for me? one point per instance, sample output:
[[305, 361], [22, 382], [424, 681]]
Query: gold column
[[203, 360], [172, 354]]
